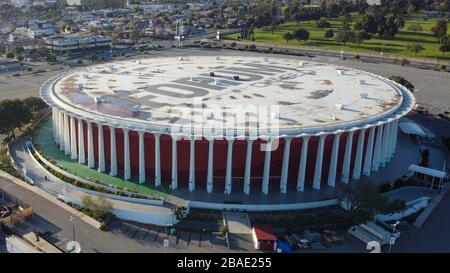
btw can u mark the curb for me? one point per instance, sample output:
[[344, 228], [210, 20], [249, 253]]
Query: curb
[[89, 220]]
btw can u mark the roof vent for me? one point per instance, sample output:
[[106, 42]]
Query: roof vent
[[236, 77], [333, 117], [217, 82], [340, 72], [138, 61], [211, 115], [364, 95], [98, 99], [300, 64], [339, 106], [81, 86], [180, 59], [361, 81], [211, 74], [135, 108]]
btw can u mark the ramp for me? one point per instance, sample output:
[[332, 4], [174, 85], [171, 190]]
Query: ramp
[[239, 231]]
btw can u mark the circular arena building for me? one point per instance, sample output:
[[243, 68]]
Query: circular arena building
[[254, 125]]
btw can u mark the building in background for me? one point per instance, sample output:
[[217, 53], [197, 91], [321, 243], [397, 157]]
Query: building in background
[[70, 43]]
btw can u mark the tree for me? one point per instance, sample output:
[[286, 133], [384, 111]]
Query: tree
[[344, 36], [87, 201], [102, 206], [301, 34], [18, 50], [13, 114], [63, 26], [135, 35], [329, 33], [35, 104], [414, 48], [364, 200], [288, 36], [51, 58], [403, 82], [440, 29], [389, 28], [273, 25], [322, 23], [369, 24], [445, 44], [347, 21], [359, 36], [10, 55]]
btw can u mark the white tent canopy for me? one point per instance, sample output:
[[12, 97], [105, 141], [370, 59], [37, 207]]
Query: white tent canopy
[[411, 128], [427, 171]]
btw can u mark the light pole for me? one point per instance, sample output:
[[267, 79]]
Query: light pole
[[392, 239], [72, 219]]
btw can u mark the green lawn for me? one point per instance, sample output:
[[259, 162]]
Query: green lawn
[[397, 46], [44, 141]]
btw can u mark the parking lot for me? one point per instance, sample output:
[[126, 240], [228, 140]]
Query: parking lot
[[153, 236]]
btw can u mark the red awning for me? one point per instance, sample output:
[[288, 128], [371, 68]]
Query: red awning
[[264, 233]]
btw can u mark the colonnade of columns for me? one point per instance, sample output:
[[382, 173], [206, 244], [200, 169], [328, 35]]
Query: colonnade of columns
[[379, 149]]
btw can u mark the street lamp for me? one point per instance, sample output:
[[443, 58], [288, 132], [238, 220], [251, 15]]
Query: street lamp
[[392, 239], [72, 219]]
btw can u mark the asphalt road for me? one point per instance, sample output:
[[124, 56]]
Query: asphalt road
[[433, 237]]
